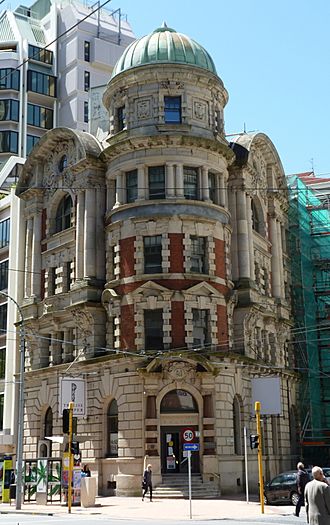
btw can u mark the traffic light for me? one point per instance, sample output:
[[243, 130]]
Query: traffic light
[[254, 441], [66, 419], [75, 448], [66, 422]]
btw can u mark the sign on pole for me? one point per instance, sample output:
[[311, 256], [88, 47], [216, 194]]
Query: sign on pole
[[191, 446], [188, 435], [73, 389]]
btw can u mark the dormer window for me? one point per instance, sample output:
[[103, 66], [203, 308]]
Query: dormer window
[[172, 110]]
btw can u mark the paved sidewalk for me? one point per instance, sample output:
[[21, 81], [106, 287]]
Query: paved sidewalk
[[162, 509]]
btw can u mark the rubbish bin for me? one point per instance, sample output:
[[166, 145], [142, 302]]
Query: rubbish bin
[[88, 492], [12, 491]]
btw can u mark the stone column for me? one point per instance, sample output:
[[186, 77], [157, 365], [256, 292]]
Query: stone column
[[100, 250], [142, 187], [232, 209], [250, 234], [56, 349], [276, 277], [179, 181], [222, 191], [28, 255], [205, 184], [36, 255], [280, 257], [119, 189], [170, 188], [67, 346], [90, 233], [243, 246], [80, 218], [111, 193]]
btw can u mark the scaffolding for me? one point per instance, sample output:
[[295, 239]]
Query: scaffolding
[[309, 244]]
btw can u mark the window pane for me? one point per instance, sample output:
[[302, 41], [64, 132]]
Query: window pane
[[198, 254], [131, 186], [87, 51], [4, 275], [213, 188], [3, 319], [172, 111], [200, 327], [178, 401], [190, 181], [63, 215], [2, 398], [2, 362], [86, 111], [153, 254], [121, 118], [4, 233], [156, 182], [153, 329], [86, 80]]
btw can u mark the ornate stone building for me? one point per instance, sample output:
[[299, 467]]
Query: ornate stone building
[[156, 270]]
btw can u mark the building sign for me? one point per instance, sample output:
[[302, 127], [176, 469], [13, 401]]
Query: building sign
[[73, 389]]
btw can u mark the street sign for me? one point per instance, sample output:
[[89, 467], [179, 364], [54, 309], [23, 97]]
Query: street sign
[[73, 389], [188, 435], [191, 446]]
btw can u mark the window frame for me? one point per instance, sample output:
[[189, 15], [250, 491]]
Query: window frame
[[10, 110], [198, 254], [172, 109], [131, 185], [3, 318], [63, 215], [8, 141], [157, 187], [39, 116], [87, 81], [204, 326], [153, 329], [87, 51], [41, 83], [11, 78], [3, 351], [152, 253], [4, 274], [121, 118], [190, 182], [112, 428], [4, 232]]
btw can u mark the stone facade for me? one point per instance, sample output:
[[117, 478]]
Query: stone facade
[[156, 270]]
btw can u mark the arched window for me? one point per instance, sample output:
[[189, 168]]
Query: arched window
[[178, 401], [256, 224], [112, 429], [237, 426], [63, 214]]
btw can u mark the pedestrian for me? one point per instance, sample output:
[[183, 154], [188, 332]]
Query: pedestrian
[[147, 482], [85, 472], [302, 480], [317, 498]]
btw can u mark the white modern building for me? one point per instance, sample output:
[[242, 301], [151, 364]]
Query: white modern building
[[46, 72]]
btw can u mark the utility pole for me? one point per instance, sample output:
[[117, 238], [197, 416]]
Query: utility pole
[[71, 405], [257, 408]]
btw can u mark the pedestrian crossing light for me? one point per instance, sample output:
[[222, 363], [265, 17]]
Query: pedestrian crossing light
[[254, 441]]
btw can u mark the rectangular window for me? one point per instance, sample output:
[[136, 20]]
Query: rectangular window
[[190, 182], [68, 276], [121, 119], [3, 319], [198, 254], [213, 187], [8, 142], [201, 332], [153, 254], [172, 110], [9, 79], [2, 400], [87, 51], [131, 185], [39, 116], [31, 141], [153, 329], [41, 83], [4, 233], [87, 80], [86, 111], [40, 55], [156, 182], [4, 275], [9, 110], [2, 362]]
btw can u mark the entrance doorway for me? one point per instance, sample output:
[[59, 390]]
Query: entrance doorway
[[174, 459]]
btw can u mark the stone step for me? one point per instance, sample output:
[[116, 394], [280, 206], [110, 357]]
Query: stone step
[[177, 486]]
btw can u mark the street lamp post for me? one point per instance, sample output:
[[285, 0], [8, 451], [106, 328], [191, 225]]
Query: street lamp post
[[20, 425]]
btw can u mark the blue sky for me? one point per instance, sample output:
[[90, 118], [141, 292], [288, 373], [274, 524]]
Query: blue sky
[[273, 57], [274, 60]]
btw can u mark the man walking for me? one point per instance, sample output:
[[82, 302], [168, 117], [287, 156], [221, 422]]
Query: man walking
[[317, 496], [147, 482], [302, 480]]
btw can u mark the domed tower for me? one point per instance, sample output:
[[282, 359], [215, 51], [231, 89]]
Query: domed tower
[[167, 218]]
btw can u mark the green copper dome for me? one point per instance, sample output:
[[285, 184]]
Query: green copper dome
[[164, 46]]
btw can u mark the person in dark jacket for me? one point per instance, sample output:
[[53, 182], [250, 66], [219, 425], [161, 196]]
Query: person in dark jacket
[[302, 480], [147, 482]]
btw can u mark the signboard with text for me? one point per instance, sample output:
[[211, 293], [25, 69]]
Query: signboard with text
[[73, 389]]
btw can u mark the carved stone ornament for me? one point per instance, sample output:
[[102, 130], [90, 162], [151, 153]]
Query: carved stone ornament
[[143, 108], [84, 322], [52, 165], [199, 110], [259, 177], [180, 371]]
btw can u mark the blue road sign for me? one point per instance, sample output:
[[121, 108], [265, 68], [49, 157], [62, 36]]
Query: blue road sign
[[191, 446]]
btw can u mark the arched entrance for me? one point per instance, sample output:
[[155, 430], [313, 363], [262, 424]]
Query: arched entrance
[[178, 413]]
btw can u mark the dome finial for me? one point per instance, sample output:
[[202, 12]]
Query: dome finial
[[164, 25]]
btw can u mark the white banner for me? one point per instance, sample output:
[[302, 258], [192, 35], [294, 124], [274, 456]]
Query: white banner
[[73, 389]]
